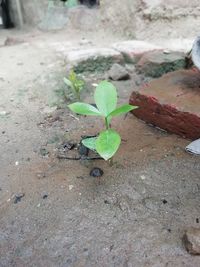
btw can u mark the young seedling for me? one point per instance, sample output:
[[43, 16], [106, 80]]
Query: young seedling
[[108, 141], [75, 84]]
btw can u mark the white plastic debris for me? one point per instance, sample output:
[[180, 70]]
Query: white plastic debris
[[194, 147]]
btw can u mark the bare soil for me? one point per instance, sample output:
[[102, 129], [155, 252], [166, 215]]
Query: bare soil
[[52, 212]]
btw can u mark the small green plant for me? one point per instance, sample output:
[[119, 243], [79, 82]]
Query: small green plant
[[75, 84], [108, 141]]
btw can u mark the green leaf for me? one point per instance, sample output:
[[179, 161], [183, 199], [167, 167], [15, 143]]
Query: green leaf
[[121, 110], [84, 109], [108, 143], [105, 97], [90, 143], [68, 82]]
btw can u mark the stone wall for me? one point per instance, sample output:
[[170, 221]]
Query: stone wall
[[120, 16], [171, 18], [129, 18]]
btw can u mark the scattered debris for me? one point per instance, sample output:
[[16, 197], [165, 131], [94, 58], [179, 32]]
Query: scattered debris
[[71, 115], [194, 147], [191, 241], [118, 72], [96, 172], [71, 187], [41, 175], [18, 197]]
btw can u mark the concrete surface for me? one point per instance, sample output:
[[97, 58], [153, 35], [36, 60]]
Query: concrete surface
[[135, 215]]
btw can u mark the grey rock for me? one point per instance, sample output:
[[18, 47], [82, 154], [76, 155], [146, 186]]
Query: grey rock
[[156, 63], [191, 241], [118, 72]]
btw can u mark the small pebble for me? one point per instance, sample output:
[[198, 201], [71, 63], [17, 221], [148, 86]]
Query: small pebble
[[69, 145], [45, 196], [96, 172]]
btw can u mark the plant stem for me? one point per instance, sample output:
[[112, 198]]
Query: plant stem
[[78, 96], [106, 123]]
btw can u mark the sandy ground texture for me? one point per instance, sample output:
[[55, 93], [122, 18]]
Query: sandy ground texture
[[52, 212]]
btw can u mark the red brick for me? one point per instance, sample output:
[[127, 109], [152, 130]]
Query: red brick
[[171, 102]]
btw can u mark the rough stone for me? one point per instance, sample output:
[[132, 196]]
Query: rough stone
[[171, 103], [157, 63], [93, 59], [134, 50], [118, 72], [191, 241]]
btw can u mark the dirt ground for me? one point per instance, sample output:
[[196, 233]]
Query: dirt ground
[[52, 212]]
